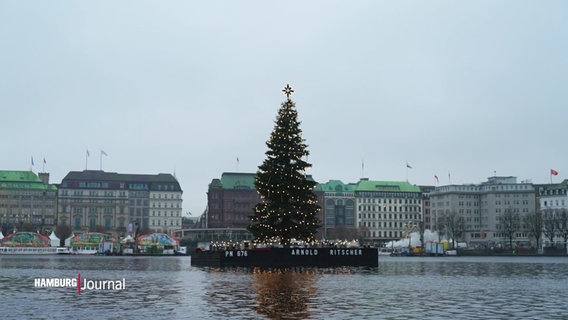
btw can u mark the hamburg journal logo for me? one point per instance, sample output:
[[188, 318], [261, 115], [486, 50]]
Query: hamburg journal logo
[[81, 284]]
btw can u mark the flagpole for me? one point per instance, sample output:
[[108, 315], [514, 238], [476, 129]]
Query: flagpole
[[103, 153], [408, 166], [87, 160]]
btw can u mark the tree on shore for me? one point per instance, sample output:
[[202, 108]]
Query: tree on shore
[[454, 226], [63, 231], [549, 225], [533, 221], [562, 225], [288, 204], [509, 222], [342, 233], [363, 234]]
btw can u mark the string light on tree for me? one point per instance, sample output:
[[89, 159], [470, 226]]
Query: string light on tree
[[288, 205]]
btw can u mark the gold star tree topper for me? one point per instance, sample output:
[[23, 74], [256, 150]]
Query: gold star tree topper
[[288, 91]]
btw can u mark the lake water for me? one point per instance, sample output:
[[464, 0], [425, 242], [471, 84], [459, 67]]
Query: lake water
[[401, 288]]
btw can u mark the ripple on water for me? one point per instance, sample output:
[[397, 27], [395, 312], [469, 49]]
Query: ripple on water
[[401, 288]]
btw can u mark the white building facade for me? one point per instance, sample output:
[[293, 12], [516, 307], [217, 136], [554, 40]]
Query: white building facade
[[387, 210], [481, 208]]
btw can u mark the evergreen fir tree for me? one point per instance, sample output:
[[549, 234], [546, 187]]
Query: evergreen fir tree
[[288, 205]]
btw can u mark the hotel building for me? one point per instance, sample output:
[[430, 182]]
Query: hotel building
[[387, 210], [93, 199], [481, 208], [26, 201]]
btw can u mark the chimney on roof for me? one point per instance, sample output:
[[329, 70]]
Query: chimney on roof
[[44, 177]]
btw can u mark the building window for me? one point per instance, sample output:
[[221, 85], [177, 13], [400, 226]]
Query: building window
[[108, 222]]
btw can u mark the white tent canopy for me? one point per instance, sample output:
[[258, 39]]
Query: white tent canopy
[[128, 239], [68, 240], [53, 239]]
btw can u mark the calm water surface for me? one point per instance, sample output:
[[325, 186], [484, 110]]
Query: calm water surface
[[401, 288]]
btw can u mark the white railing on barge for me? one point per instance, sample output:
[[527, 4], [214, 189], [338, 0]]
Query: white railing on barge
[[28, 250]]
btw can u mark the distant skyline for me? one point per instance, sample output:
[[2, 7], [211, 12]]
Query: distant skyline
[[469, 89]]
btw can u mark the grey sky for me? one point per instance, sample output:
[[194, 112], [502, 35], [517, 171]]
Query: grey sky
[[467, 87]]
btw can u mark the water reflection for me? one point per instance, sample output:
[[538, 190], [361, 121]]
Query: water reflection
[[400, 288], [284, 294]]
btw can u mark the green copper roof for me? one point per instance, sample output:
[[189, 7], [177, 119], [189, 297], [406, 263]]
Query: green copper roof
[[237, 180], [22, 180], [336, 186], [385, 186], [234, 180]]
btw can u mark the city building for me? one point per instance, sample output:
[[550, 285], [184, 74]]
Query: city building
[[553, 204], [339, 207], [387, 210], [426, 211], [27, 201], [478, 210], [231, 201], [92, 200], [553, 196]]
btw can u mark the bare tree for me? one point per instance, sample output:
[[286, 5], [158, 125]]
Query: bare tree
[[63, 231], [342, 233], [455, 226], [533, 221], [510, 224], [28, 227], [549, 224], [100, 228], [562, 225], [441, 225], [362, 234]]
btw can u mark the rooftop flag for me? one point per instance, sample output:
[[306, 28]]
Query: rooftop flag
[[408, 166], [553, 172]]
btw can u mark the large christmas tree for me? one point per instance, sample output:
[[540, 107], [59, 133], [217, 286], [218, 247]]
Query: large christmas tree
[[288, 205]]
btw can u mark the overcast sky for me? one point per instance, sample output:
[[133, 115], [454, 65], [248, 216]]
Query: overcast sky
[[468, 87]]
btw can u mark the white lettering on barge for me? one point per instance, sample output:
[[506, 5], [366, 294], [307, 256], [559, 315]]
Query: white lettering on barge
[[345, 252], [304, 252]]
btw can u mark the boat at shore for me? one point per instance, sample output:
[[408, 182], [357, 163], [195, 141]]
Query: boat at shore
[[28, 250], [386, 251], [32, 243], [26, 243]]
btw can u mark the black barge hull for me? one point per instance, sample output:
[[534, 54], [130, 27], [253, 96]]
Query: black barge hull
[[288, 257]]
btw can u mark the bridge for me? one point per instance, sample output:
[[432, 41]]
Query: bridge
[[214, 234]]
